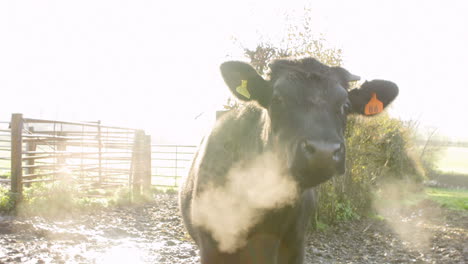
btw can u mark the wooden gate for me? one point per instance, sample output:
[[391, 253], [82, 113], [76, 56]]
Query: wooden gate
[[88, 155]]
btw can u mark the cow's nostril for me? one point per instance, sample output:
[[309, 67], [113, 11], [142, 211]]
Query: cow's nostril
[[317, 150]]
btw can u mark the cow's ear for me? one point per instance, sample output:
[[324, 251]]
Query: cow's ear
[[372, 97], [245, 83]]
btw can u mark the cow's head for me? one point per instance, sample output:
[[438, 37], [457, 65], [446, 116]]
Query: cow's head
[[308, 103]]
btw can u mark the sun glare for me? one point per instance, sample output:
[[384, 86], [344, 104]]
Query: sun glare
[[122, 254], [154, 64]]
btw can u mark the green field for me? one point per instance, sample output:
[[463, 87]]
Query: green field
[[455, 199], [449, 198], [454, 159]]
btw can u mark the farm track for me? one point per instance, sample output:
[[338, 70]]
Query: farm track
[[153, 233]]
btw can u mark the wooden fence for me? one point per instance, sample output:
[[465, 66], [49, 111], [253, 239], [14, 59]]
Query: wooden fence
[[88, 155]]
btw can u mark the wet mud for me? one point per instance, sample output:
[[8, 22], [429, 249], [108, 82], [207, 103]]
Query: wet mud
[[153, 233]]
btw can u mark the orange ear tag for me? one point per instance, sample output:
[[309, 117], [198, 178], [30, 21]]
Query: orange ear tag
[[374, 106]]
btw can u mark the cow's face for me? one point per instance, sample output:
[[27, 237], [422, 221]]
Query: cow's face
[[307, 104]]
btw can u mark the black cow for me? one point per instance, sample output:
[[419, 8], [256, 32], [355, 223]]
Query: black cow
[[249, 194]]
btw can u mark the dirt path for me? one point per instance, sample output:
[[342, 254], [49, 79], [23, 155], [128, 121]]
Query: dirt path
[[154, 234], [424, 233]]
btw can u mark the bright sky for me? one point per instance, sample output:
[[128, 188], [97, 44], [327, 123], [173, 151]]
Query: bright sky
[[154, 64]]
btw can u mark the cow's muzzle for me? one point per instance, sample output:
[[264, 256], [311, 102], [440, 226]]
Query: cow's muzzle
[[321, 159]]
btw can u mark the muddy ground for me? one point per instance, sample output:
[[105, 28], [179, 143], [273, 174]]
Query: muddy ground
[[153, 233]]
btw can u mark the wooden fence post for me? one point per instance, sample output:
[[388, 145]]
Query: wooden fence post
[[176, 170], [31, 146], [137, 162], [16, 155], [147, 160], [62, 148], [99, 138]]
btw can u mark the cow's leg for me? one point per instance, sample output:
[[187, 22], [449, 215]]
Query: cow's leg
[[291, 250], [214, 256], [260, 249], [210, 254], [292, 245]]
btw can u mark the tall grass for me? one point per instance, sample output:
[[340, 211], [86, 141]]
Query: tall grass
[[60, 199], [6, 199]]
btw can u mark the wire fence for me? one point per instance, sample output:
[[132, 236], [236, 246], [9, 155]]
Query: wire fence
[[5, 169], [170, 163]]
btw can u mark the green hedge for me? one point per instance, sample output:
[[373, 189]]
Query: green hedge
[[379, 150]]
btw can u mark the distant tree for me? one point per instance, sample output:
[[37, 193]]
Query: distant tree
[[264, 53], [299, 41]]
